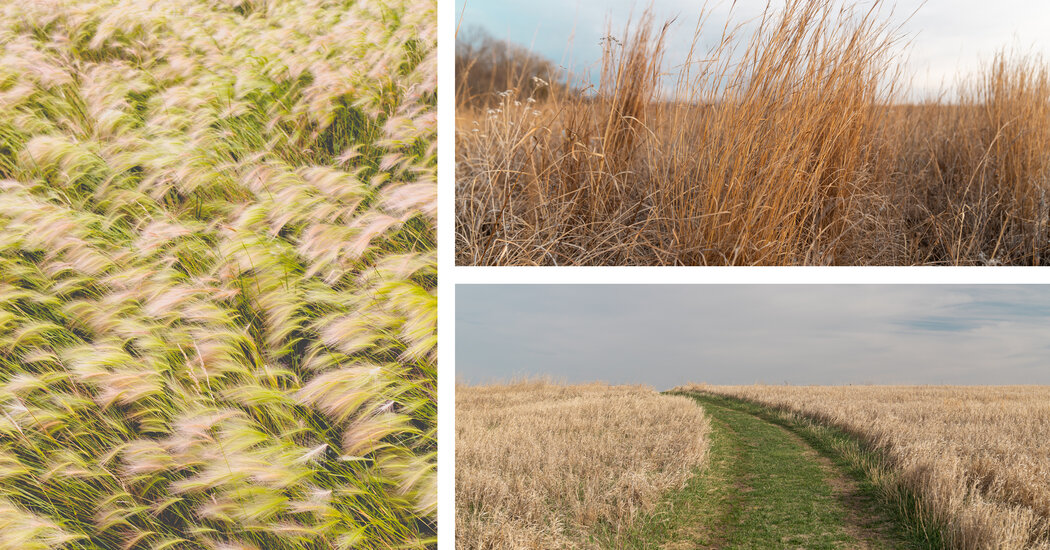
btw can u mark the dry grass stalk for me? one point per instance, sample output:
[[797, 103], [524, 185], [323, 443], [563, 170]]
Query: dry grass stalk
[[545, 466]]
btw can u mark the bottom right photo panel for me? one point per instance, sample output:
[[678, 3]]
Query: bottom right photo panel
[[752, 416]]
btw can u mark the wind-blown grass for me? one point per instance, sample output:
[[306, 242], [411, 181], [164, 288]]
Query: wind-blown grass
[[217, 274]]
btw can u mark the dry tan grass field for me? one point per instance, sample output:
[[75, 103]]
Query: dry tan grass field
[[977, 457], [797, 145], [544, 466]]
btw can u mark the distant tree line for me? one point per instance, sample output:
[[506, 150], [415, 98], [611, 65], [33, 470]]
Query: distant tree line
[[486, 65]]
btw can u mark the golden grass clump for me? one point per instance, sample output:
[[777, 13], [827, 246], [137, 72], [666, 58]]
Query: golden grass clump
[[977, 458], [546, 466], [217, 274], [786, 143], [982, 187]]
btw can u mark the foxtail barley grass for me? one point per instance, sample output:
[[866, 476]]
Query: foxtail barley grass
[[545, 466], [977, 458], [788, 145], [217, 274]]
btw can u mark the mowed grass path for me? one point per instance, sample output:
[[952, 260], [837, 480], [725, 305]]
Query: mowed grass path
[[766, 487]]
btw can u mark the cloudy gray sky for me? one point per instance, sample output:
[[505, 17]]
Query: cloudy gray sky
[[948, 37], [664, 335]]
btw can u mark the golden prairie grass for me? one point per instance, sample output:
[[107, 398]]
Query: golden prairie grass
[[546, 466], [978, 458], [217, 274], [790, 145]]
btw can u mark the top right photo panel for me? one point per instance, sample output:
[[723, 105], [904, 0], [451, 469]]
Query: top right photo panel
[[792, 132]]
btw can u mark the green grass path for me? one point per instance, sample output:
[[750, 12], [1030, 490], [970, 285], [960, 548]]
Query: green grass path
[[766, 487]]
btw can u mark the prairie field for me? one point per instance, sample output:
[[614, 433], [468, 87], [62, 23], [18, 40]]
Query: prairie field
[[217, 274], [798, 143], [976, 458], [545, 466]]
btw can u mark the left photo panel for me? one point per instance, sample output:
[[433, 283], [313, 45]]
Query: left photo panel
[[218, 274]]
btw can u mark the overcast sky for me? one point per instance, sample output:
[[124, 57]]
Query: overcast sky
[[664, 335], [948, 37]]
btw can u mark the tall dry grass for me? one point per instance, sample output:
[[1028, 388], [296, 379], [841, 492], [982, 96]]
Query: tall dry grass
[[978, 458], [546, 466], [980, 193], [217, 274], [786, 145]]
